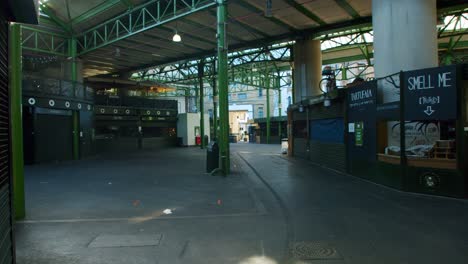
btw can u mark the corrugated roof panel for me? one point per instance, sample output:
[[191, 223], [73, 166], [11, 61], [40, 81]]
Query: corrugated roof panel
[[328, 10], [167, 34], [236, 31], [76, 7], [102, 17], [297, 20], [256, 19], [363, 7]]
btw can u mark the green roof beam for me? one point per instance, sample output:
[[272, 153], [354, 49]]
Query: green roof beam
[[204, 40], [141, 18], [198, 25], [46, 10], [244, 25], [347, 59], [93, 12], [348, 8], [38, 40], [46, 21], [316, 31], [303, 10], [127, 3], [260, 11], [180, 44], [154, 45]]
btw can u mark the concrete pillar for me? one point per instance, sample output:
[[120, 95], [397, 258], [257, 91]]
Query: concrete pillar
[[405, 35], [307, 68], [405, 38]]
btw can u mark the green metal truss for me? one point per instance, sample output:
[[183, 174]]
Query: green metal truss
[[245, 66], [44, 42], [348, 8], [95, 11], [136, 20], [240, 63]]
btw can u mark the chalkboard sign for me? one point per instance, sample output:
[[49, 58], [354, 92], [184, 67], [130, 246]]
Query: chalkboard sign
[[361, 101], [431, 94], [361, 121]]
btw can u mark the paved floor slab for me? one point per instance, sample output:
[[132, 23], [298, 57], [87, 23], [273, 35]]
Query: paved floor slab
[[268, 203]]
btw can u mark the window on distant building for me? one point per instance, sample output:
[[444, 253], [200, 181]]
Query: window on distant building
[[260, 112], [241, 96], [260, 92]]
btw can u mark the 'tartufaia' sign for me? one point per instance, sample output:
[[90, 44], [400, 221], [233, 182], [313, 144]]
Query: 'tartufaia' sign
[[431, 94], [362, 96]]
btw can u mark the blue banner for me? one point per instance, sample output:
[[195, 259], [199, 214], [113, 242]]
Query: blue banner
[[327, 130]]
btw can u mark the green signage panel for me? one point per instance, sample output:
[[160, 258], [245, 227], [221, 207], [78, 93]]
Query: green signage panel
[[359, 133]]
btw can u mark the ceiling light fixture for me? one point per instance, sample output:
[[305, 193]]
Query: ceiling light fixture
[[176, 37]]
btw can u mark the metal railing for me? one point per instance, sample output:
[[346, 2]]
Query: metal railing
[[47, 87]]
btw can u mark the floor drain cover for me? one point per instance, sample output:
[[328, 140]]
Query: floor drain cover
[[140, 240], [313, 250]]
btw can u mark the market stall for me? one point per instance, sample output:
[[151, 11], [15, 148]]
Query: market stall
[[408, 131]]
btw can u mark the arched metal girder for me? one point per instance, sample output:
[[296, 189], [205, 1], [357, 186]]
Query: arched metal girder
[[189, 70], [136, 20], [451, 36]]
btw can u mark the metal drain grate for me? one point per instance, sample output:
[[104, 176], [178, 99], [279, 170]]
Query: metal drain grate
[[138, 240], [314, 250]]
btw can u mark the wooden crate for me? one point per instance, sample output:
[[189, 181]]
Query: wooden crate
[[445, 144], [443, 149]]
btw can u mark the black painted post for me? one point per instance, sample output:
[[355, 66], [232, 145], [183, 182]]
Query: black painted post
[[346, 136], [403, 161], [460, 128]]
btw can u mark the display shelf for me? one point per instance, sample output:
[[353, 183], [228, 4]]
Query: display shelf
[[436, 163]]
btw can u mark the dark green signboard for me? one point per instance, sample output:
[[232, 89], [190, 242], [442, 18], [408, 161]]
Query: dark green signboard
[[359, 133], [431, 94]]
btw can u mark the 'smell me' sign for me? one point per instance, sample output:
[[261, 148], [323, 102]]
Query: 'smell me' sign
[[431, 94]]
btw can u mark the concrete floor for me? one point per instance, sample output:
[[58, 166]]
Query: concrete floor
[[270, 210]]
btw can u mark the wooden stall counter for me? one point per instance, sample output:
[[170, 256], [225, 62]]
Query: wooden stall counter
[[437, 163]]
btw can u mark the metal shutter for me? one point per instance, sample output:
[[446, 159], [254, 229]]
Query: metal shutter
[[6, 235]]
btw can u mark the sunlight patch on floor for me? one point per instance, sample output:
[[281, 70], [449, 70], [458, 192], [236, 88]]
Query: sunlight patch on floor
[[258, 260]]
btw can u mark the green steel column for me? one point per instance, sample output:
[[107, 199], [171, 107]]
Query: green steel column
[[268, 125], [278, 84], [202, 104], [344, 73], [72, 49], [187, 100], [197, 94], [223, 87], [16, 107], [447, 58]]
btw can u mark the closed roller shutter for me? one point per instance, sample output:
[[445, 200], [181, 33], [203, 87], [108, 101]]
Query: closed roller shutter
[[6, 236]]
